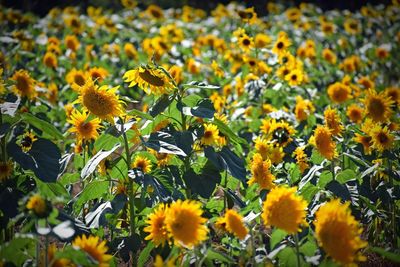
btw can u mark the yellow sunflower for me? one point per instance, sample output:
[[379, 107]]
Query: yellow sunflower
[[245, 42], [50, 60], [76, 78], [365, 141], [234, 224], [281, 44], [355, 113], [260, 172], [24, 84], [304, 108], [37, 205], [185, 224], [151, 79], [377, 106], [211, 134], [333, 121], [301, 158], [339, 92], [85, 130], [381, 138], [156, 226], [98, 73], [142, 163], [101, 102], [95, 248], [332, 219], [27, 141], [322, 141], [329, 56], [285, 210], [6, 169], [294, 77]]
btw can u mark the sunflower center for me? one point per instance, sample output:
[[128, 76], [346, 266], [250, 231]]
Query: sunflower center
[[376, 107], [85, 128], [294, 77], [246, 42], [208, 134], [155, 13], [147, 76], [279, 45], [22, 84], [383, 138], [79, 80]]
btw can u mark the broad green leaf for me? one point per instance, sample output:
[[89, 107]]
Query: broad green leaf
[[93, 190], [140, 114], [145, 254], [161, 104], [42, 125], [345, 176], [228, 132], [316, 157], [276, 237], [91, 165], [394, 257], [325, 178], [219, 256], [18, 250]]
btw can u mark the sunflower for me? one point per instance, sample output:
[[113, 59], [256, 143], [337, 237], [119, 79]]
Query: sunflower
[[377, 106], [355, 113], [281, 132], [6, 169], [333, 121], [365, 141], [246, 42], [301, 158], [381, 138], [284, 209], [366, 82], [281, 44], [95, 248], [260, 172], [37, 205], [84, 129], [394, 94], [131, 51], [101, 102], [322, 141], [248, 15], [27, 141], [234, 224], [163, 159], [339, 92], [156, 226], [142, 163], [24, 84], [216, 69], [352, 26], [261, 40], [76, 78], [50, 60], [294, 77], [185, 224], [151, 79], [211, 134], [331, 219], [98, 73], [176, 73], [329, 56], [71, 42], [56, 262], [304, 108]]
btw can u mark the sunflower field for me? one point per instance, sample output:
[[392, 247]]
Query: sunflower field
[[142, 136]]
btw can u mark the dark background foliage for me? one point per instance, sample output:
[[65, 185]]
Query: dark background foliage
[[41, 7]]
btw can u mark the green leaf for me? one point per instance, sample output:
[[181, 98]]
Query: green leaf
[[145, 254], [203, 109], [394, 257], [277, 236], [325, 177], [69, 178], [93, 190], [105, 141], [316, 157], [204, 183], [163, 142], [309, 191], [43, 159], [219, 256], [140, 114], [51, 190], [309, 248], [228, 132], [42, 125], [345, 176], [200, 85], [91, 165], [18, 250], [161, 104], [294, 173]]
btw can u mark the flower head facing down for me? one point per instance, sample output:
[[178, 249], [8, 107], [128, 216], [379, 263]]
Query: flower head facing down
[[185, 223], [95, 248], [150, 79], [334, 220], [285, 210]]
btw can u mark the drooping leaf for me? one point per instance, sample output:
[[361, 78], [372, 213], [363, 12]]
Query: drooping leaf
[[93, 190], [43, 159], [91, 165], [200, 85], [163, 142], [223, 128], [203, 109], [204, 183], [42, 125], [161, 104]]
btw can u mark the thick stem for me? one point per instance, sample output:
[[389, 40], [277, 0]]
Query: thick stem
[[130, 189]]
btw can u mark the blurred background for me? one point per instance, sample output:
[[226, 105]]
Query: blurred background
[[41, 7]]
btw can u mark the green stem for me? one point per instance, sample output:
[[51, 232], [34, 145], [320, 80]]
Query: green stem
[[46, 248], [37, 246], [225, 188], [296, 242], [130, 189], [393, 204]]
